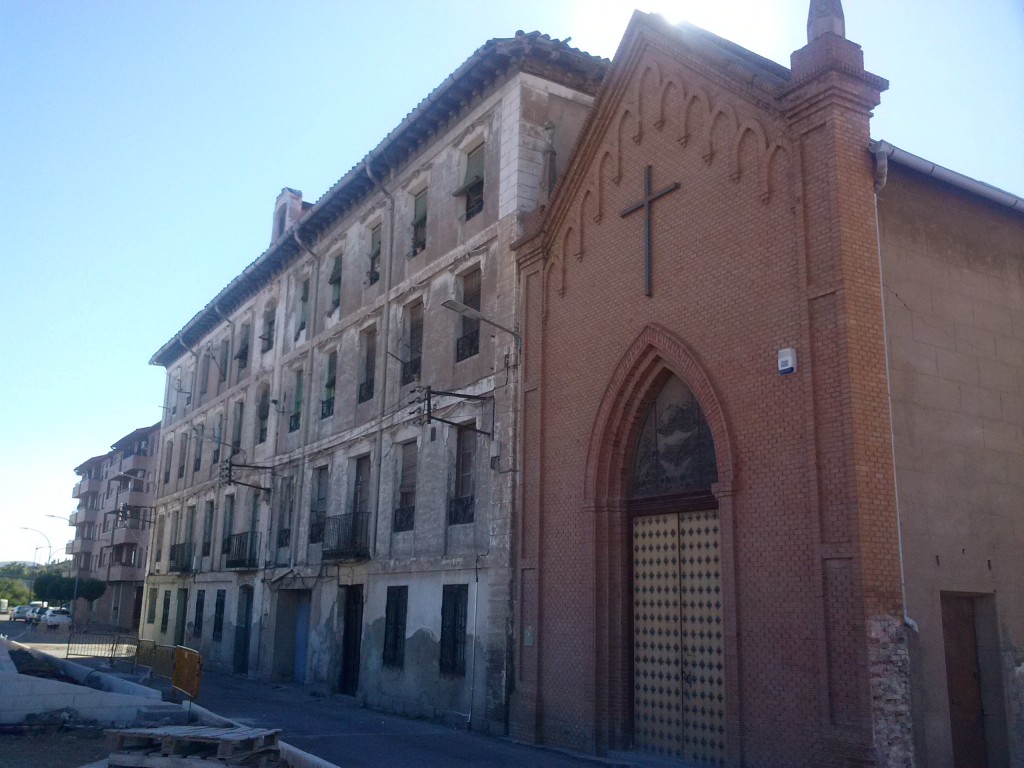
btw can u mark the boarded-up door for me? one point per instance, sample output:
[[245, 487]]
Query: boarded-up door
[[678, 659], [963, 681], [351, 639]]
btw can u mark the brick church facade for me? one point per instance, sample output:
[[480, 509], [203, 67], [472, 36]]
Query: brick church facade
[[730, 545]]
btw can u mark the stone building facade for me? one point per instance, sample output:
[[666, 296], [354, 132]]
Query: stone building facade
[[771, 426], [115, 494], [338, 465]]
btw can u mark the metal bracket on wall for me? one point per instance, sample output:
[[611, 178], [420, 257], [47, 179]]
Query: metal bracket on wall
[[431, 417]]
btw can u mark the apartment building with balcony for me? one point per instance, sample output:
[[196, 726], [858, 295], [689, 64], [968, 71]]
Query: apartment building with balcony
[[337, 467], [115, 494]]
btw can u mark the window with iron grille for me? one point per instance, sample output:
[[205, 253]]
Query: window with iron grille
[[411, 366], [394, 626], [468, 343], [373, 273], [318, 507], [369, 365], [296, 417], [208, 529], [302, 316], [406, 512], [197, 623], [334, 281], [165, 614], [327, 404], [473, 183], [461, 505], [419, 223], [269, 322], [218, 615], [263, 415], [454, 602], [154, 595]]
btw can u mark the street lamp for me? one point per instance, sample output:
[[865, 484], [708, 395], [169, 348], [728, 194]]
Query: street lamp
[[472, 314], [48, 547]]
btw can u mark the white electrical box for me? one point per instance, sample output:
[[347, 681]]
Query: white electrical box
[[787, 361]]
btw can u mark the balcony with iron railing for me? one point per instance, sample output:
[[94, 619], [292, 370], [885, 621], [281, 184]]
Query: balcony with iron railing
[[346, 537], [467, 345], [410, 370], [460, 510], [365, 391], [404, 517], [241, 551], [327, 408], [180, 559]]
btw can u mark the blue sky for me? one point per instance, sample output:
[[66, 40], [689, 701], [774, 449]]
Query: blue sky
[[142, 145]]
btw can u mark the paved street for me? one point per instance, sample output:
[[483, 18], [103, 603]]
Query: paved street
[[336, 729], [353, 737]]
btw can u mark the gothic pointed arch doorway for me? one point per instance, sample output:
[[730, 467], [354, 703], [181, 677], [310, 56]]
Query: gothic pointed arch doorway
[[678, 633], [659, 482]]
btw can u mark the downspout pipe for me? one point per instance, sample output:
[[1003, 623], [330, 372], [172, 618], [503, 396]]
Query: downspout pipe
[[881, 170]]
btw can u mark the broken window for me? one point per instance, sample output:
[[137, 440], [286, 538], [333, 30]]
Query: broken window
[[461, 505], [419, 223], [406, 511], [373, 273], [468, 343], [327, 404], [473, 183], [296, 417], [334, 281], [269, 322], [369, 338], [412, 364]]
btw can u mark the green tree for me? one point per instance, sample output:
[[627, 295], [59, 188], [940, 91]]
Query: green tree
[[91, 590], [15, 592]]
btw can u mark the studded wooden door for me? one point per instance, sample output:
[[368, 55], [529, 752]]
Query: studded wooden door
[[678, 659]]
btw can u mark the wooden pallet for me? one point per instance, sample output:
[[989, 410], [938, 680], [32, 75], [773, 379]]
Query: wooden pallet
[[188, 746]]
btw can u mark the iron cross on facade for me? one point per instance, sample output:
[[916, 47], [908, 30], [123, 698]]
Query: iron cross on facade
[[646, 204]]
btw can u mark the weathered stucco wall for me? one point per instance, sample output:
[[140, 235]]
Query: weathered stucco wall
[[953, 272]]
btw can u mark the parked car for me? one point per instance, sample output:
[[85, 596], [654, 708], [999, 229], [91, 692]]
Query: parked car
[[35, 614], [55, 617], [20, 613]]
